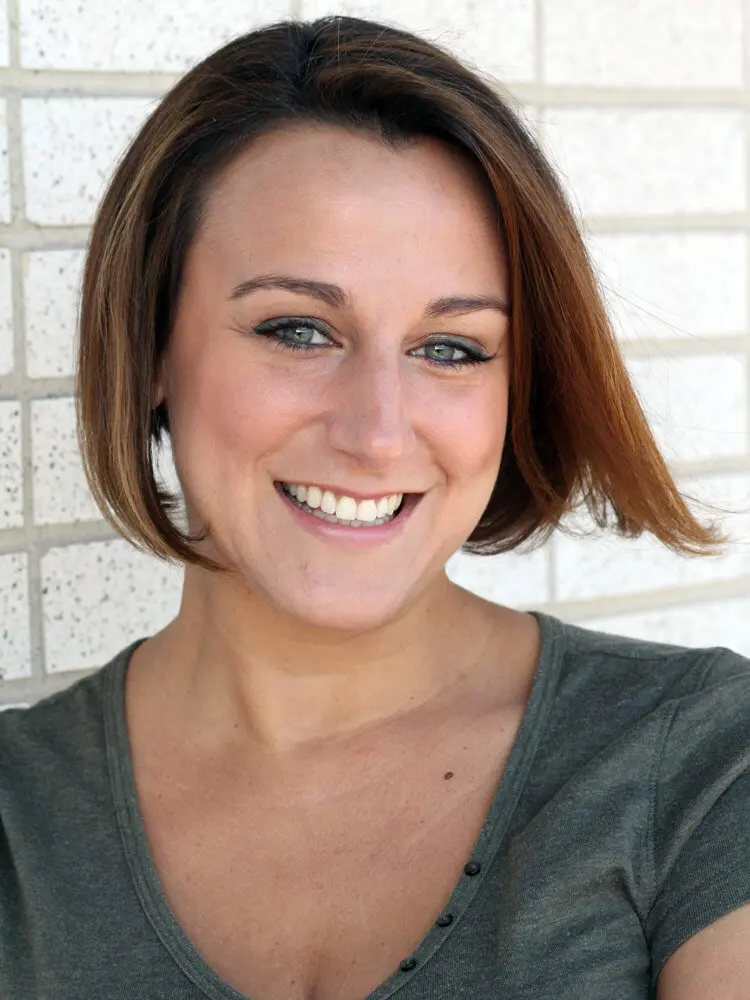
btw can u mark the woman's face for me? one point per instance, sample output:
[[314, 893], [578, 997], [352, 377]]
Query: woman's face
[[372, 406]]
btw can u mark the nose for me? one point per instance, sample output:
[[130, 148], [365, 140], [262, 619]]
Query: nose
[[369, 414]]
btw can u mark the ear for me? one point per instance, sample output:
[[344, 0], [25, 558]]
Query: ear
[[158, 396]]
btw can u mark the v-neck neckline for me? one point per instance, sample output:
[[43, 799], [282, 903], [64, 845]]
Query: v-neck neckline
[[151, 892]]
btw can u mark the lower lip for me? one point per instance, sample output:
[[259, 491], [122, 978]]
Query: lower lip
[[343, 534]]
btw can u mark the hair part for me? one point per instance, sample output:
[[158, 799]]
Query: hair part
[[576, 433]]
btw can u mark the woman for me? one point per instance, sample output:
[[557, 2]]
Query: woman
[[335, 268]]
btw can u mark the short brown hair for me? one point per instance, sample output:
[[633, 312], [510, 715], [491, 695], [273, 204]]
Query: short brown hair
[[576, 433]]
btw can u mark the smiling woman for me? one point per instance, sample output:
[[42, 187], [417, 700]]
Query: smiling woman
[[337, 271]]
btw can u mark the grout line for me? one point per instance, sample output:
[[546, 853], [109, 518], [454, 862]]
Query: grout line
[[50, 536], [17, 201], [122, 83], [662, 599], [25, 236], [25, 391]]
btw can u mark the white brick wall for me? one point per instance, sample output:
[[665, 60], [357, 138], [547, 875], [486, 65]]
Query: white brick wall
[[642, 106]]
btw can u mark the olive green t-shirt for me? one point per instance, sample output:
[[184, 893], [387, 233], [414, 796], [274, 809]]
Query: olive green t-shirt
[[620, 827]]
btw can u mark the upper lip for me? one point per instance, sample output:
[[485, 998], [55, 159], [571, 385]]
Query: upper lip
[[354, 494]]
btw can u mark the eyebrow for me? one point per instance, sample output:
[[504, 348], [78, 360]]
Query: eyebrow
[[335, 296]]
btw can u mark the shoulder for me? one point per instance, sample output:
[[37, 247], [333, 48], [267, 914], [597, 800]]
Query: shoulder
[[58, 735], [629, 664], [36, 741]]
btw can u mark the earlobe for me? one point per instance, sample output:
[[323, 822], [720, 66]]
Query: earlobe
[[158, 394]]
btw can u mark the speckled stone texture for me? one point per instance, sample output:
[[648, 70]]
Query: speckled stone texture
[[51, 283], [6, 314], [15, 646], [4, 185], [11, 486], [674, 284], [650, 161], [99, 597], [164, 36], [645, 43], [60, 489]]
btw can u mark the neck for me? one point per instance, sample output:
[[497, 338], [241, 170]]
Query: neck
[[237, 669]]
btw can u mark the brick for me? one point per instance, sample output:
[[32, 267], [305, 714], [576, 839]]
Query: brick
[[15, 640], [606, 565], [99, 597], [496, 36], [511, 578], [711, 623], [4, 182], [696, 405], [51, 297], [643, 43], [136, 35], [61, 492], [647, 161], [6, 314], [673, 284], [70, 147], [11, 479], [4, 53]]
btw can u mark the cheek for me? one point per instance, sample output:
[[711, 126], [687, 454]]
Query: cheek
[[468, 428], [251, 409]]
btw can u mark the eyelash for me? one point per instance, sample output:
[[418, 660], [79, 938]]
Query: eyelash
[[272, 327]]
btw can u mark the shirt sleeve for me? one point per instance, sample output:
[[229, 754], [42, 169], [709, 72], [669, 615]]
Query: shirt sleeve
[[701, 808]]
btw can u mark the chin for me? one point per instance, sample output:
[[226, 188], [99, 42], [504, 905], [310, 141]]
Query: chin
[[343, 616], [343, 610]]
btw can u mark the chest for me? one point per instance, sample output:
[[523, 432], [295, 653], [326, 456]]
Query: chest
[[288, 896]]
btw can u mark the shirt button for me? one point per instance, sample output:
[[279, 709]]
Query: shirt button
[[408, 963], [444, 919], [472, 868]]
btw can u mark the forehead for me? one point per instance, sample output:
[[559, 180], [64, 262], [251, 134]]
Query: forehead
[[311, 170], [327, 199]]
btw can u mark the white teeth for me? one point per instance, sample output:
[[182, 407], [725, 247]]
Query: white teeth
[[328, 503], [366, 510], [345, 508]]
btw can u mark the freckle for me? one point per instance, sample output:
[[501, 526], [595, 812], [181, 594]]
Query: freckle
[[447, 775]]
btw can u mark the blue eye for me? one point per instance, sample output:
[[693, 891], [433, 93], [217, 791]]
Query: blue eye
[[441, 359], [298, 335]]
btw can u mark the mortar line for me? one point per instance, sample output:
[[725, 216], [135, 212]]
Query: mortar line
[[125, 83], [17, 201]]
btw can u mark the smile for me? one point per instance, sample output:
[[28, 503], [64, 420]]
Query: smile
[[343, 510]]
